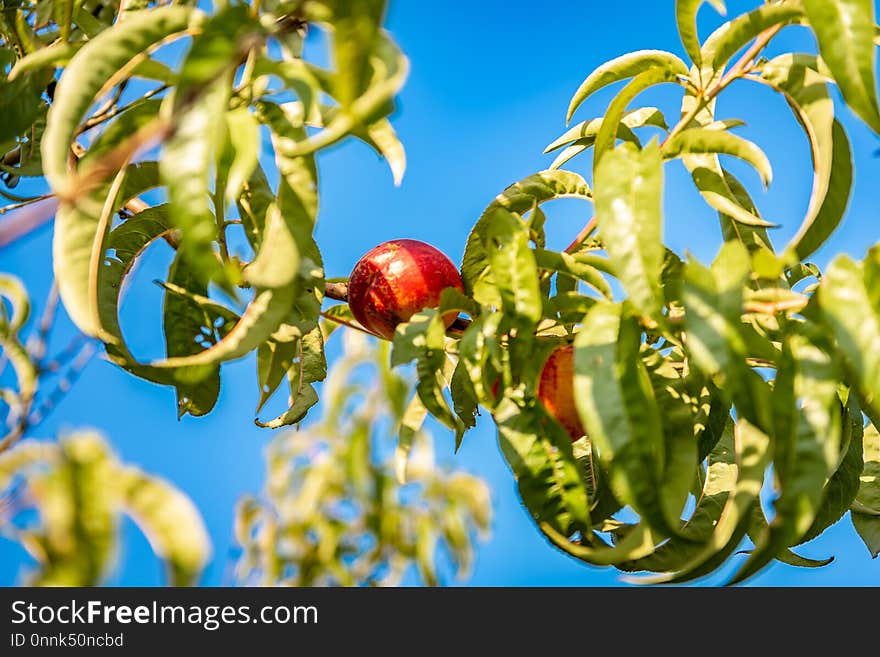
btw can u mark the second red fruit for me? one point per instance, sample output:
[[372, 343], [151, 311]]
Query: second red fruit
[[556, 390], [397, 279]]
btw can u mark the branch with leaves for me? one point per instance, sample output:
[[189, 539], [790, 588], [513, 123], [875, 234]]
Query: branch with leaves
[[340, 509], [698, 379], [692, 383], [79, 489]]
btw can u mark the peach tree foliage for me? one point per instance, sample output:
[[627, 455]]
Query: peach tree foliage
[[703, 381], [335, 512], [79, 490]]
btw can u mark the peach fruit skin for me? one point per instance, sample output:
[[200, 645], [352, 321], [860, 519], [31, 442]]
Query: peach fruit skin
[[397, 279], [556, 390]]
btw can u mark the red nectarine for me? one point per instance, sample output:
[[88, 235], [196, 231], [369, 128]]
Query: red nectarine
[[397, 279], [556, 390]]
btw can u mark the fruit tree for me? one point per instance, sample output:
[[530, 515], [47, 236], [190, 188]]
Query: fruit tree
[[643, 399]]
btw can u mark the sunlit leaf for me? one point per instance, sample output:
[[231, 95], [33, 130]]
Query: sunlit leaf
[[845, 32], [607, 134], [718, 142], [686, 17], [808, 435], [244, 141], [629, 187], [171, 523], [734, 35], [807, 94], [625, 67], [105, 59], [616, 402], [847, 298], [549, 479], [868, 498]]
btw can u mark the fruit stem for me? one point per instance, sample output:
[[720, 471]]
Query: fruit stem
[[337, 291]]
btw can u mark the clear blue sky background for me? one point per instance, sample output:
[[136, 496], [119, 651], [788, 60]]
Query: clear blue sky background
[[489, 86]]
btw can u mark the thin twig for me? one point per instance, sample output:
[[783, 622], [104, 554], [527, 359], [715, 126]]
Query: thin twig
[[582, 236], [40, 339], [63, 357], [24, 203], [742, 67], [113, 111], [64, 385], [345, 322]]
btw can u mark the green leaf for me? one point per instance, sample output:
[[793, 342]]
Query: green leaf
[[616, 402], [845, 32], [607, 135], [410, 425], [842, 487], [582, 136], [121, 128], [171, 523], [464, 396], [752, 449], [868, 528], [572, 266], [847, 297], [190, 329], [123, 245], [285, 267], [20, 102], [216, 51], [76, 501], [24, 457], [696, 533], [753, 237], [62, 11], [625, 67], [300, 401], [734, 35], [587, 130], [717, 340], [686, 17], [808, 435], [714, 185], [78, 246], [185, 166], [511, 264], [796, 77], [629, 187], [356, 29], [274, 359], [307, 366], [298, 76], [99, 63], [706, 141], [549, 479], [519, 198], [55, 54], [390, 68], [381, 136], [867, 500], [14, 291], [478, 353], [243, 132], [253, 205], [423, 339]]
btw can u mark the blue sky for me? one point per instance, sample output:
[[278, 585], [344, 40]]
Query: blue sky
[[488, 89]]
